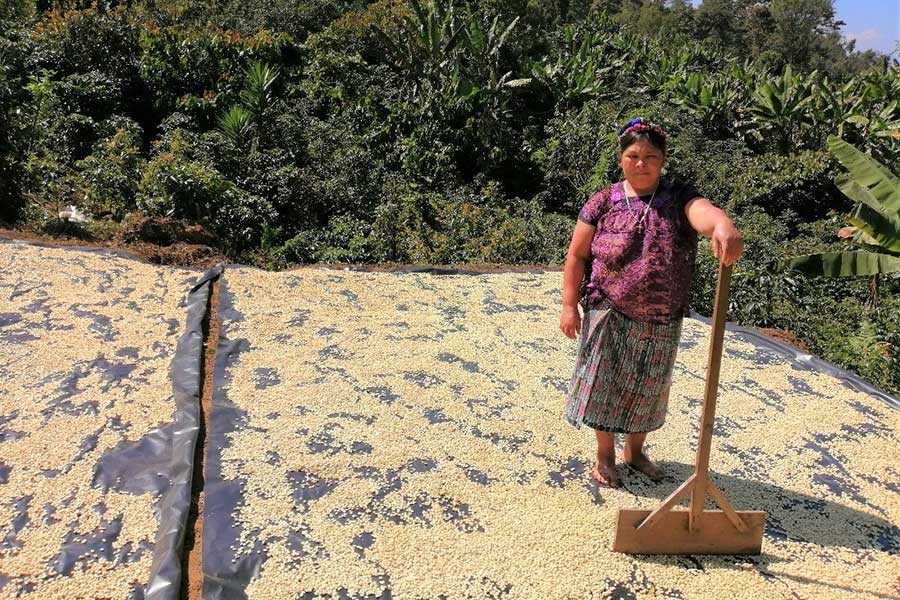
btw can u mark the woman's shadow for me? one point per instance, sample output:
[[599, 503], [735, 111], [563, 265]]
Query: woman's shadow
[[790, 516]]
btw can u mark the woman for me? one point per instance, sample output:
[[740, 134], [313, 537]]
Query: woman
[[630, 265]]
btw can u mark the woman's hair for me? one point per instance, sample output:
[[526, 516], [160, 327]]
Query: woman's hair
[[639, 129]]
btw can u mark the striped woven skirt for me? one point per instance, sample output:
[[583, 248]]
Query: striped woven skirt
[[623, 372]]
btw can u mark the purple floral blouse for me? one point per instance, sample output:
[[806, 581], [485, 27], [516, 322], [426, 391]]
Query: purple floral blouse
[[644, 268]]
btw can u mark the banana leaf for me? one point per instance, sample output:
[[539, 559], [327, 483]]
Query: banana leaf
[[869, 174], [883, 227], [844, 264]]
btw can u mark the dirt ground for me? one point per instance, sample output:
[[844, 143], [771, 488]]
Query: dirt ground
[[192, 565]]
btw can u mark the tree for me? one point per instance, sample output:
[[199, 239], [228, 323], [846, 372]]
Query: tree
[[717, 20], [799, 29]]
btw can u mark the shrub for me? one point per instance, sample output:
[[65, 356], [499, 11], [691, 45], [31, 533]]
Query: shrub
[[577, 154], [177, 185], [297, 19], [82, 41], [12, 135], [94, 94], [188, 69], [345, 174], [344, 240], [111, 173], [352, 33], [418, 226]]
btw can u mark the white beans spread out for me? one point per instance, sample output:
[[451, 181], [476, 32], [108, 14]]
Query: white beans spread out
[[406, 431], [85, 347]]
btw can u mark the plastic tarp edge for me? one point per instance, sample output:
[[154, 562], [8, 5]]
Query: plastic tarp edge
[[805, 361], [185, 369]]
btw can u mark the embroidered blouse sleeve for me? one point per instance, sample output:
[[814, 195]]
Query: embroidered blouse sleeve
[[594, 208]]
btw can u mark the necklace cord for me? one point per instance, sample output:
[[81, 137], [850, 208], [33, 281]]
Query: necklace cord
[[646, 208]]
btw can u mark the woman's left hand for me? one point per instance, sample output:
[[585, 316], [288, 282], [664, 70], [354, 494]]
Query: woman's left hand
[[727, 243]]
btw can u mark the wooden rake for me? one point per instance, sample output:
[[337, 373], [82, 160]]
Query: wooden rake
[[669, 529]]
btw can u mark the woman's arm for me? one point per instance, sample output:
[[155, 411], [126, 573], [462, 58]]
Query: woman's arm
[[727, 244], [573, 273]]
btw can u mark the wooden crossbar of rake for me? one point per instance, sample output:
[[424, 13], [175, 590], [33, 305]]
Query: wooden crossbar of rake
[[669, 529]]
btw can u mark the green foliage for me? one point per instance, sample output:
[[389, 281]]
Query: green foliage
[[13, 134], [175, 184], [91, 39], [799, 183], [586, 64], [296, 19], [425, 43], [258, 94], [422, 227], [713, 100], [191, 68], [256, 97], [577, 153], [110, 175], [236, 124], [344, 240], [17, 11], [875, 220], [94, 94], [780, 106]]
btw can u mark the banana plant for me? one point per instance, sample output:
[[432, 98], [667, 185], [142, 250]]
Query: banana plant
[[483, 44], [781, 104], [582, 69], [426, 40], [661, 70], [874, 222], [836, 105], [712, 99]]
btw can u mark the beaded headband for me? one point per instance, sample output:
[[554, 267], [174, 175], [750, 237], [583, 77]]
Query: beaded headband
[[639, 124]]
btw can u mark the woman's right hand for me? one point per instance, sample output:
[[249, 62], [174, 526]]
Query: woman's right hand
[[570, 321]]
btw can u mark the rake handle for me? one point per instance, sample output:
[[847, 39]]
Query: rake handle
[[701, 470]]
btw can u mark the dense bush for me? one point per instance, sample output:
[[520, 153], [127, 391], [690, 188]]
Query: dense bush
[[577, 154], [200, 70], [12, 137], [176, 184], [111, 173]]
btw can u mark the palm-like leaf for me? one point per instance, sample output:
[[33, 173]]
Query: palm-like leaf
[[845, 264], [235, 124], [257, 92], [876, 219], [877, 186]]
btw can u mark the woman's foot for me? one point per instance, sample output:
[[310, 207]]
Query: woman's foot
[[606, 475], [639, 462]]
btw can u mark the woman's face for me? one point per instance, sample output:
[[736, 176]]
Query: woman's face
[[642, 163]]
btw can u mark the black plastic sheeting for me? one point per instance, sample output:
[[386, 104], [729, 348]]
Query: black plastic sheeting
[[175, 445], [224, 577]]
